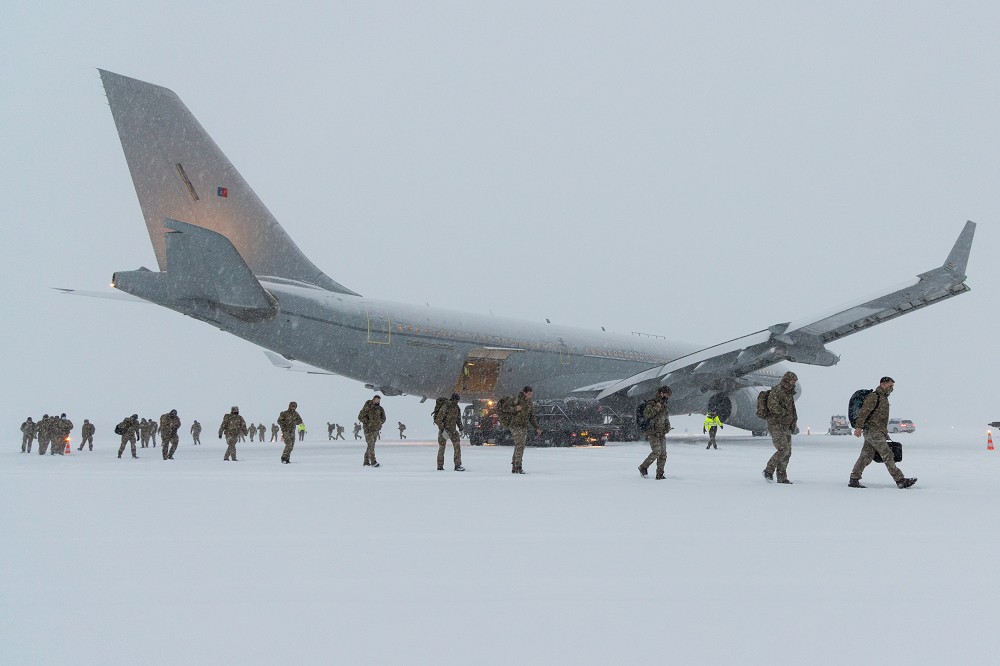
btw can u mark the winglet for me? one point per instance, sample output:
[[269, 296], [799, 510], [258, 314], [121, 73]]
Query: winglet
[[958, 258]]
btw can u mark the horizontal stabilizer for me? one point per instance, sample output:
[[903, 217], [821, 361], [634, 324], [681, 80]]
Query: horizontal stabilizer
[[112, 295], [202, 264]]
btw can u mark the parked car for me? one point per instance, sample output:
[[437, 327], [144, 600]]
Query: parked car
[[901, 425]]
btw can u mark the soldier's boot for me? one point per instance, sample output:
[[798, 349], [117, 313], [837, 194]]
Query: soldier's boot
[[768, 475], [285, 461], [643, 472], [375, 464], [119, 456], [459, 468], [785, 480], [855, 483], [660, 476], [440, 468], [905, 483], [708, 447]]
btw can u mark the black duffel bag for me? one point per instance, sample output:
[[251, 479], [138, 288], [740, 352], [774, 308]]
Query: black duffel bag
[[897, 452]]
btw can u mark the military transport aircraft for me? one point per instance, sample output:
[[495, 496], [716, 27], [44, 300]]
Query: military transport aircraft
[[225, 260]]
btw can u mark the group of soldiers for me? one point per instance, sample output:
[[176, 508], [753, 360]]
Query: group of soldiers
[[516, 413], [782, 422], [54, 432]]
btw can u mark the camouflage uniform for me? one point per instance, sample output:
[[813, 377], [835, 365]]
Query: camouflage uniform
[[153, 429], [873, 419], [28, 430], [781, 421], [274, 432], [261, 431], [402, 428], [449, 422], [518, 421], [372, 416], [233, 427], [196, 433], [357, 431], [329, 430], [657, 413], [43, 434], [170, 424], [340, 432], [63, 428], [253, 431], [129, 428], [143, 431], [87, 434], [288, 421]]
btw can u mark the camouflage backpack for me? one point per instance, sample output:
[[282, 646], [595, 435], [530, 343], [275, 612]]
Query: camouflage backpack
[[504, 409], [762, 410], [436, 414]]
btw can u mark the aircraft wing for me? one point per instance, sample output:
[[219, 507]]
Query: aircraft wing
[[802, 341]]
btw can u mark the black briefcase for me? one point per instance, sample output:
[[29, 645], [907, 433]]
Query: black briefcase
[[897, 452]]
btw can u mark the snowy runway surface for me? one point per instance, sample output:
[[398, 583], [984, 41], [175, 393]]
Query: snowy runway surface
[[199, 561]]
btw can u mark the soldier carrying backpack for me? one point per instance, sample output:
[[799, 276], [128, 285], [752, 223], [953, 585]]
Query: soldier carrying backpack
[[873, 420]]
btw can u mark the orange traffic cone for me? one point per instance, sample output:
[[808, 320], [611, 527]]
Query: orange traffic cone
[[70, 448], [989, 440]]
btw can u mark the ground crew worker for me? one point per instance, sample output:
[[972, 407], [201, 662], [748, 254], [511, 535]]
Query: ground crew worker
[[196, 433], [657, 415], [873, 421], [301, 429], [372, 416], [340, 432], [329, 430], [519, 413], [274, 432], [402, 427], [87, 434], [289, 421], [233, 427], [712, 423], [465, 377], [253, 431], [449, 422], [357, 431], [170, 424], [28, 430], [128, 429], [261, 431], [781, 422], [43, 434]]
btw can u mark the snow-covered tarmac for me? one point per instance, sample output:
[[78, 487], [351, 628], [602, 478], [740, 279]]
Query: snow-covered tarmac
[[198, 561]]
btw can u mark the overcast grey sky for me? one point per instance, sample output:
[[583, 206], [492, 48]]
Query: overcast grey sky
[[698, 171]]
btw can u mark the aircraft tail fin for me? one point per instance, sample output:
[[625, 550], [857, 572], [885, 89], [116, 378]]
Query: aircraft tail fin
[[180, 173]]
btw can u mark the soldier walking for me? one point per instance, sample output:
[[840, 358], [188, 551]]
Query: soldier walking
[[153, 429], [253, 431], [289, 420], [657, 415], [28, 430], [448, 419], [87, 435], [357, 431], [43, 434], [274, 432], [196, 433], [63, 429], [340, 433], [329, 430], [233, 427], [519, 412], [712, 423], [873, 421], [781, 421], [372, 416], [170, 425], [402, 428], [128, 429], [261, 431]]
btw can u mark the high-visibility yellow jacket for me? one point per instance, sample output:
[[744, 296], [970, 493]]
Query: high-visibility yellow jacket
[[712, 422]]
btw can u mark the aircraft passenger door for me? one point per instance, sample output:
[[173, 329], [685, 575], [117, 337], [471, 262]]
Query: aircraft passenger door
[[481, 371], [379, 328]]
